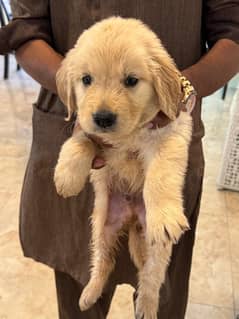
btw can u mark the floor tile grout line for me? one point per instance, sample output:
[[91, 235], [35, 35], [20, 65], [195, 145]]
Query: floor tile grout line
[[210, 305]]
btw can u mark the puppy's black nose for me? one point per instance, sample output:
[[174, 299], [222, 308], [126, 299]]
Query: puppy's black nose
[[104, 118]]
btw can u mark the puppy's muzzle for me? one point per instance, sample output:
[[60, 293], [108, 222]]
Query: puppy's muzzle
[[104, 119]]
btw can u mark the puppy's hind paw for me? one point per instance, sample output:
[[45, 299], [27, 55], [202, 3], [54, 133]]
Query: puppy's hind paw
[[146, 308], [90, 295]]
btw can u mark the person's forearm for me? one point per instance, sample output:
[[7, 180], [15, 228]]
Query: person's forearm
[[40, 61], [214, 69]]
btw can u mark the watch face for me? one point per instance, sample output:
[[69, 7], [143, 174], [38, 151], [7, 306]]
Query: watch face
[[190, 103]]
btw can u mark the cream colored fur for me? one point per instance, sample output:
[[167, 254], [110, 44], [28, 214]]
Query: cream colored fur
[[109, 51]]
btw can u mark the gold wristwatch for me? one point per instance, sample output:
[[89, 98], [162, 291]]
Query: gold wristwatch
[[189, 95]]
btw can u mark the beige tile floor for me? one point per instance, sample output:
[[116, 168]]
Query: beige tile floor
[[27, 288]]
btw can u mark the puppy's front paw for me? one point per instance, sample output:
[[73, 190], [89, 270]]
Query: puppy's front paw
[[168, 225], [67, 181], [90, 294], [74, 165], [146, 305]]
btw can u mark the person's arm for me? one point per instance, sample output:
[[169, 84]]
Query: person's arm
[[29, 34], [31, 20], [210, 73], [40, 61], [214, 69], [221, 33]]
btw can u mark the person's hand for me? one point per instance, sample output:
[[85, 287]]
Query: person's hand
[[160, 120]]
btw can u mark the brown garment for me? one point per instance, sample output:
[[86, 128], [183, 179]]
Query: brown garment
[[56, 231], [68, 294]]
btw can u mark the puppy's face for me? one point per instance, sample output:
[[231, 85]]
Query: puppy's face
[[114, 92], [117, 78]]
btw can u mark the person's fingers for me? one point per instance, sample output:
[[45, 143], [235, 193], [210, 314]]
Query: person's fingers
[[162, 120], [159, 121], [98, 162], [76, 128]]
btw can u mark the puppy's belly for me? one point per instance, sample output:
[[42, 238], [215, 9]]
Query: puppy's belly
[[122, 211]]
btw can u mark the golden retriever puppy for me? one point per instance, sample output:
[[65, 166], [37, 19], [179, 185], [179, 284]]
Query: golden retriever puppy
[[117, 78]]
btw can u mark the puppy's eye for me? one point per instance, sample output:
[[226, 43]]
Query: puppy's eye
[[87, 80], [130, 81]]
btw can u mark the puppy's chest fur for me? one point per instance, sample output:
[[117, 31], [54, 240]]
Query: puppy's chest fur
[[125, 172], [126, 162]]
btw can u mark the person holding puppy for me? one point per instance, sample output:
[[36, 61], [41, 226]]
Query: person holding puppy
[[56, 231]]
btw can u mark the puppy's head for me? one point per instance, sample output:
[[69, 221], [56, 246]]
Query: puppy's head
[[117, 78]]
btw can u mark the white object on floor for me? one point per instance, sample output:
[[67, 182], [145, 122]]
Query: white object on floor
[[229, 172]]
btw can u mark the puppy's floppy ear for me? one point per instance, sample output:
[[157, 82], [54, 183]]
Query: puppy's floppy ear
[[166, 81], [65, 87]]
